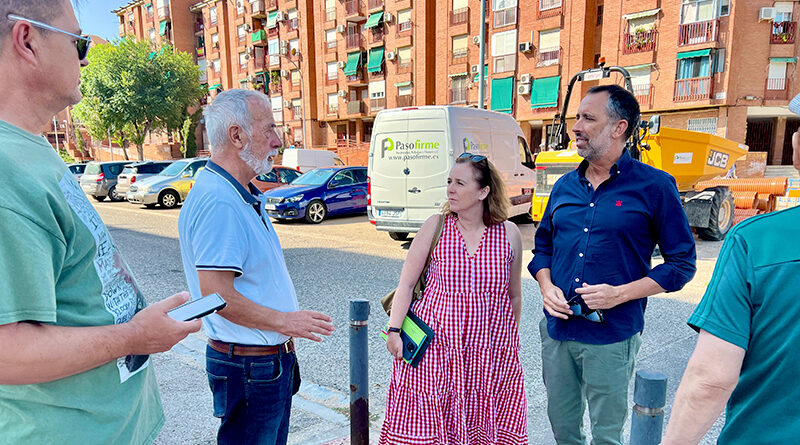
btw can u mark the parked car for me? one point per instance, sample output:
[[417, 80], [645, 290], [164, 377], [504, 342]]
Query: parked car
[[77, 170], [279, 176], [169, 187], [305, 159], [100, 179], [138, 172], [319, 193]]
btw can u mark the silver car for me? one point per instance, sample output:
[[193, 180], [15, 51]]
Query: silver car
[[77, 170], [168, 188], [100, 179], [138, 172]]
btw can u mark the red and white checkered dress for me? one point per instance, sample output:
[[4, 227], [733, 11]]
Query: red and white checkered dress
[[468, 388]]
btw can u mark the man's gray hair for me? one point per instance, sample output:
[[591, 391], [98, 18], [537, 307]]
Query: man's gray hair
[[231, 108]]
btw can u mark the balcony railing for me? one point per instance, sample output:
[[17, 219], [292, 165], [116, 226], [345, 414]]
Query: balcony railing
[[549, 8], [687, 90], [275, 86], [643, 94], [698, 32], [505, 17], [458, 95], [292, 24], [357, 77], [640, 42], [198, 27], [330, 47], [459, 56], [355, 107], [378, 33], [330, 14], [406, 100], [374, 4], [777, 89], [404, 27], [353, 41], [459, 16], [549, 56], [332, 78], [404, 66], [783, 32], [297, 112], [333, 108], [353, 7], [377, 104]]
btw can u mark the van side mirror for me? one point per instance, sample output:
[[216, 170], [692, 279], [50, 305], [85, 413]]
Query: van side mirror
[[655, 124]]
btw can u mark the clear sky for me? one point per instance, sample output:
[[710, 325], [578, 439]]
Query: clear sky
[[95, 17]]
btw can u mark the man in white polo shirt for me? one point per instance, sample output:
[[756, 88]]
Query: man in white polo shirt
[[229, 246]]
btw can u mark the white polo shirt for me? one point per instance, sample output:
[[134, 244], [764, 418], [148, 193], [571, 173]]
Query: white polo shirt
[[220, 229]]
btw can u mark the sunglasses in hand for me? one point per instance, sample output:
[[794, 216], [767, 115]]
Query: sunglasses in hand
[[593, 315]]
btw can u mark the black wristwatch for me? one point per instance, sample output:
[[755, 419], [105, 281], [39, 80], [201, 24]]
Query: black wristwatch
[[393, 330]]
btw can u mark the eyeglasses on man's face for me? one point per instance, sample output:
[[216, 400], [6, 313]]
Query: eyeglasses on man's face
[[81, 42], [472, 157]]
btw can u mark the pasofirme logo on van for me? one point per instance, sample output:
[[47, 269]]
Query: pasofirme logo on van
[[473, 147], [407, 150]]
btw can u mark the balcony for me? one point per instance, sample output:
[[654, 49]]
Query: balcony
[[783, 32], [404, 27], [549, 8], [404, 66], [376, 105], [459, 56], [355, 107], [330, 14], [199, 27], [643, 95], [374, 4], [405, 101], [698, 32], [353, 41], [354, 10], [275, 86], [639, 42], [549, 56], [292, 24], [258, 9], [458, 95], [688, 90], [459, 16], [357, 78], [504, 17], [777, 89], [259, 37]]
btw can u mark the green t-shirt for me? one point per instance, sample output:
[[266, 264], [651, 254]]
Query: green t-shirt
[[753, 301], [59, 265]]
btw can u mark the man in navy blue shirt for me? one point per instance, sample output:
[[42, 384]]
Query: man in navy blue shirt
[[592, 261]]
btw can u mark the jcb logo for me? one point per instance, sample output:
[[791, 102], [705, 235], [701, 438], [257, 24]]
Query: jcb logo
[[718, 159]]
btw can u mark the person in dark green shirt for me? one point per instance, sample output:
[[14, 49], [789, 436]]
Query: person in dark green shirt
[[749, 323]]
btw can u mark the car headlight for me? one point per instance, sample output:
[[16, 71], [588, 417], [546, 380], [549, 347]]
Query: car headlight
[[294, 198]]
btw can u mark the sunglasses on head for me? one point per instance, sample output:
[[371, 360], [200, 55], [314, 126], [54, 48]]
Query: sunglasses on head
[[472, 157], [593, 315], [81, 44]]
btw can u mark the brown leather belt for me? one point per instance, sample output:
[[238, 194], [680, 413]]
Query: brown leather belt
[[234, 349]]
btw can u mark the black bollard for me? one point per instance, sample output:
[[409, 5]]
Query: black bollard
[[359, 377]]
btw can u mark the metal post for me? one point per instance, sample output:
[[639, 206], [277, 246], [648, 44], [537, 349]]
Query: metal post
[[482, 56], [302, 95], [359, 377], [110, 148], [649, 398], [55, 130]]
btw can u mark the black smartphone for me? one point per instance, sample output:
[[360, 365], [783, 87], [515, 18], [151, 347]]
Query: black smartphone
[[198, 308]]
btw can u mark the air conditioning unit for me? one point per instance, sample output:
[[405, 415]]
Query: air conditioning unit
[[387, 17], [340, 28], [525, 47], [474, 69], [390, 55], [476, 40], [342, 93], [766, 14], [524, 88], [340, 64], [287, 104], [524, 78], [284, 73], [279, 16]]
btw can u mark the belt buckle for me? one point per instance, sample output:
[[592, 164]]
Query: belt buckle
[[285, 346]]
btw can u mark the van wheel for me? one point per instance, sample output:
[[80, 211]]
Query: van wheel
[[721, 216], [316, 212], [168, 199], [114, 196], [99, 198], [398, 236]]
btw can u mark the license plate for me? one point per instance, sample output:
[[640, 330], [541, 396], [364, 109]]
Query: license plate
[[390, 213], [269, 206]]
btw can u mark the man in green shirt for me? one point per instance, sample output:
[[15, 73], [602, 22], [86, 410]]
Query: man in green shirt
[[74, 330], [749, 324]]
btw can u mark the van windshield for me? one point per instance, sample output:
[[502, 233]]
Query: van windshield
[[174, 169], [317, 176]]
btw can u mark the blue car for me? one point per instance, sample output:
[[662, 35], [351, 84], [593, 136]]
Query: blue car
[[318, 193]]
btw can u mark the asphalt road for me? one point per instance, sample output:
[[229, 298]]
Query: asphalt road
[[346, 258]]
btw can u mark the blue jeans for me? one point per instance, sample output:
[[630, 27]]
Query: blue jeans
[[252, 396]]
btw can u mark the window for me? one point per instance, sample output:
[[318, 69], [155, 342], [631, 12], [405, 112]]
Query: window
[[504, 51], [149, 9], [460, 46], [404, 55], [703, 125], [724, 7], [241, 32], [240, 7], [377, 90], [333, 103], [776, 79], [215, 65], [277, 108], [294, 44], [330, 37], [783, 12], [344, 177], [549, 47], [641, 24], [599, 15], [295, 77], [273, 46], [243, 60], [458, 89], [404, 91], [719, 61], [524, 153], [697, 11], [272, 176], [212, 15], [215, 40], [333, 71], [291, 19], [152, 33], [404, 20], [505, 12], [692, 67]]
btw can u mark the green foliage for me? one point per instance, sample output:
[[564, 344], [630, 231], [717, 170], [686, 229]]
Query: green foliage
[[188, 141], [130, 89], [65, 156]]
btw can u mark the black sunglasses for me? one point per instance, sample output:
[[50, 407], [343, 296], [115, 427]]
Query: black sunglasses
[[593, 315], [472, 157], [81, 44]]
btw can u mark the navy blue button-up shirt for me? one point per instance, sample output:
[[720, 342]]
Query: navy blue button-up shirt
[[608, 236]]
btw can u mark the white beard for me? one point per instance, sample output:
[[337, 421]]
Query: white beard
[[259, 166]]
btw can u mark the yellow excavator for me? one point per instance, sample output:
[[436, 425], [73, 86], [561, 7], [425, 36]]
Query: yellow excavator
[[689, 156]]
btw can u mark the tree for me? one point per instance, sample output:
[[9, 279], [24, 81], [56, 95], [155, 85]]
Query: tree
[[188, 140], [130, 89]]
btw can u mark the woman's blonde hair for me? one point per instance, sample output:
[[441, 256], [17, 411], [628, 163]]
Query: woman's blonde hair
[[495, 206]]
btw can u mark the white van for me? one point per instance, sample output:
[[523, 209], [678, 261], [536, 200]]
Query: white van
[[305, 159], [413, 149]]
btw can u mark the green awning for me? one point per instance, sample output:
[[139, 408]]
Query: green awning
[[783, 59], [272, 19], [258, 36], [375, 60], [353, 60], [162, 27], [258, 73], [403, 84], [214, 87], [485, 74], [148, 4], [695, 53], [457, 75], [374, 20], [502, 95], [242, 80], [544, 92]]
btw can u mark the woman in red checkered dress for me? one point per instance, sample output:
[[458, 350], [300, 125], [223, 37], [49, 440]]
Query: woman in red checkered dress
[[468, 388]]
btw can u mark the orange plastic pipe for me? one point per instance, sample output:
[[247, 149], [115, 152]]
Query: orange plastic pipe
[[745, 200], [740, 215], [766, 202], [773, 186]]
